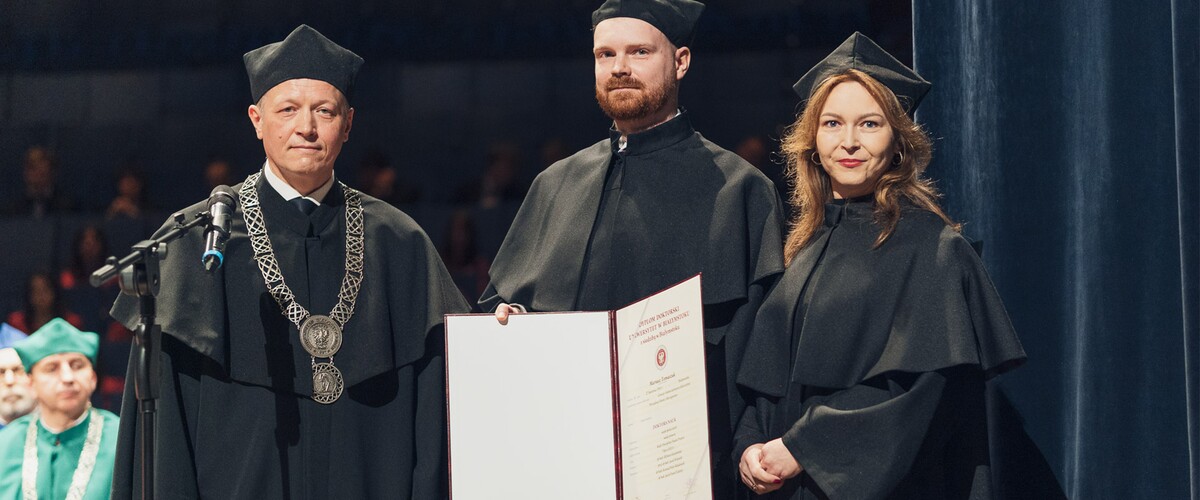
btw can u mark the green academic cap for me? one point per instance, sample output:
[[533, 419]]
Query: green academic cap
[[860, 53], [674, 18], [305, 53], [56, 337]]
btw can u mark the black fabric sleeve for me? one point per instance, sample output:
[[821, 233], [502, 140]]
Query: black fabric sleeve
[[861, 442], [174, 463], [429, 467], [490, 299], [751, 428]]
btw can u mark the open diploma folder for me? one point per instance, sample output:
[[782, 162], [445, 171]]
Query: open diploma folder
[[581, 405]]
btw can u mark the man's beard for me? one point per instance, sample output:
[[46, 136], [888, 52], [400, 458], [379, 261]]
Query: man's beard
[[644, 103], [12, 410]]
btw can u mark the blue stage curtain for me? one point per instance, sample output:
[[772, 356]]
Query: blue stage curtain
[[1067, 138]]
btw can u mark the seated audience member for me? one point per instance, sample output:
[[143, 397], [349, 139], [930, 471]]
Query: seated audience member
[[16, 397], [42, 303], [218, 172], [754, 150], [379, 178], [66, 448], [130, 201], [461, 255], [501, 180], [40, 195], [89, 248]]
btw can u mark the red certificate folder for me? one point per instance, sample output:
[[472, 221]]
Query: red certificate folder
[[582, 405]]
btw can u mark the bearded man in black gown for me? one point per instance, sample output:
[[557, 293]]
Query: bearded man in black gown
[[648, 207]]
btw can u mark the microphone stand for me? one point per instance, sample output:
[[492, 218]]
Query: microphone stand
[[140, 277]]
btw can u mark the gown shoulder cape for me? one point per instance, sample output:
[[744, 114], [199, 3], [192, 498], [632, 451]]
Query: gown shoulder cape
[[870, 363], [687, 206], [602, 229], [236, 418]]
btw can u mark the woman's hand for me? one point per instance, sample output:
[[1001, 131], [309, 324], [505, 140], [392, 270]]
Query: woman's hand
[[777, 460], [753, 475]]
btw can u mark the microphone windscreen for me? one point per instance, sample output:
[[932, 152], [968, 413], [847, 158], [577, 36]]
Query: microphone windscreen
[[223, 194]]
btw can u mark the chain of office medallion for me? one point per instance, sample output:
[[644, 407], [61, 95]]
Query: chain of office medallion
[[273, 276]]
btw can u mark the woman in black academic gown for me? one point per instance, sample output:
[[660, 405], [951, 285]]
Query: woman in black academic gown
[[868, 359]]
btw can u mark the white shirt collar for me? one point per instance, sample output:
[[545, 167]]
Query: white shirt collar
[[288, 192], [86, 412]]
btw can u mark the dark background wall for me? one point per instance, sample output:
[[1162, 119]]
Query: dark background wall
[[159, 86], [162, 85]]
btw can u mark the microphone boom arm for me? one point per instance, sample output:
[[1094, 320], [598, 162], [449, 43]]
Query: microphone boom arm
[[147, 248], [140, 278]]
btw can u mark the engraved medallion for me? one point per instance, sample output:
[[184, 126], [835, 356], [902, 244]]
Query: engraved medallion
[[321, 336], [327, 383]]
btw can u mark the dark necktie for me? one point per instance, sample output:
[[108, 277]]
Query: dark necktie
[[304, 205]]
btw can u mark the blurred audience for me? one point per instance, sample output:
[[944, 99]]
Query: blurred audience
[[754, 150], [552, 150], [218, 172], [89, 248], [130, 201], [377, 177], [42, 303], [40, 194], [501, 181], [462, 257]]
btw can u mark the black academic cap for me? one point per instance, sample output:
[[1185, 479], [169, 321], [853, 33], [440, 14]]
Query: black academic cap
[[860, 53], [674, 18], [305, 53]]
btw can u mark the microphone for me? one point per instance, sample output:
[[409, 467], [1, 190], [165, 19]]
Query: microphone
[[221, 204]]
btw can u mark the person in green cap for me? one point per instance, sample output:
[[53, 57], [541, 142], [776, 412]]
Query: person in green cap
[[66, 448]]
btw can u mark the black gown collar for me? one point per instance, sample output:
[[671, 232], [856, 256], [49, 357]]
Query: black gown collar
[[284, 215], [859, 207], [660, 137]]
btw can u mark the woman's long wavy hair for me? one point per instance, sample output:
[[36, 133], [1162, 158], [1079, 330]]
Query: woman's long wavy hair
[[811, 188]]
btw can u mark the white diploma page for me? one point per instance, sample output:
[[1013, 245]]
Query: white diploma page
[[530, 407], [664, 403]]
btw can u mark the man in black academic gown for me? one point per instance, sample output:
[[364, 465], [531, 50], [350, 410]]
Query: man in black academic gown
[[649, 206], [252, 403]]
